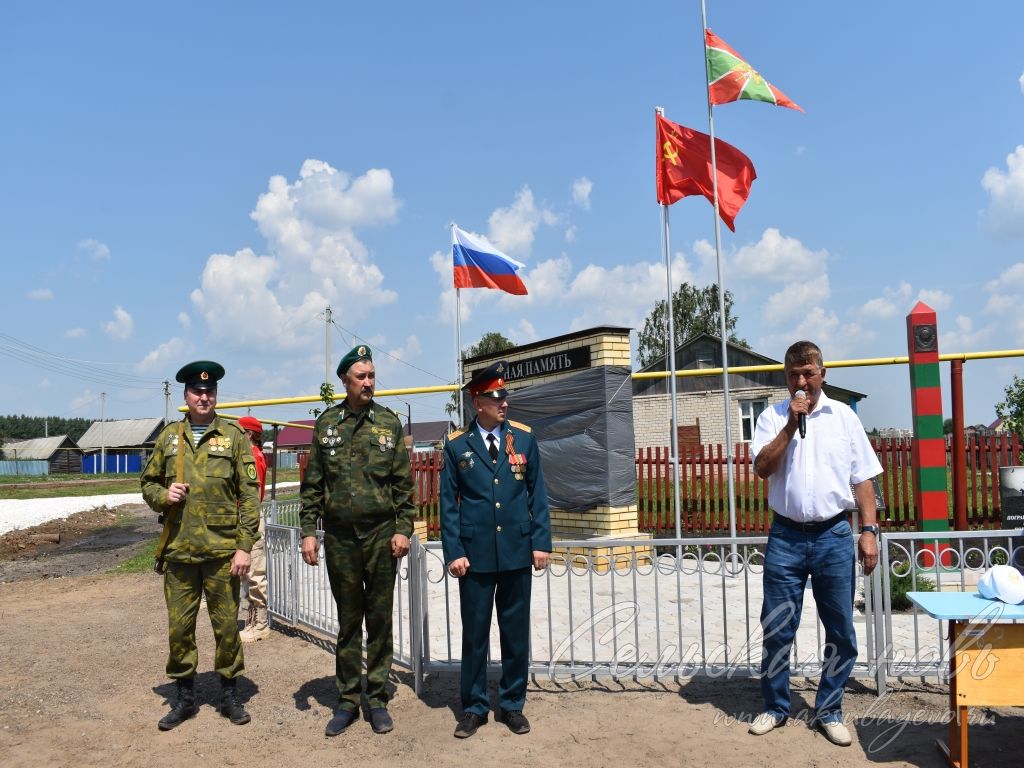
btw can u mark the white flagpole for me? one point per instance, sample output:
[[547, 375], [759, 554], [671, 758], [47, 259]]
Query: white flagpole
[[671, 360], [730, 448], [458, 332]]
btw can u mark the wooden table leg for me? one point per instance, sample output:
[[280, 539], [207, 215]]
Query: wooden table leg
[[956, 752]]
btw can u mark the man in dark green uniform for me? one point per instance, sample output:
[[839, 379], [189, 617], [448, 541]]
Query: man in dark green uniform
[[359, 483], [201, 478], [495, 524]]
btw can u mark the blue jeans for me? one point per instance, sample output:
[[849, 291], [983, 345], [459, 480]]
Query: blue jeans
[[829, 559]]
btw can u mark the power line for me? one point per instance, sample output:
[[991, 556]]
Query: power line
[[388, 354], [85, 370]]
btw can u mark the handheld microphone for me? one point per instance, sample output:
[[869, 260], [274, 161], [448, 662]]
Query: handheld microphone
[[802, 418]]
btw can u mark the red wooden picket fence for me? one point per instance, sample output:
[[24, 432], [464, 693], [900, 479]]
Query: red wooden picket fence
[[704, 490]]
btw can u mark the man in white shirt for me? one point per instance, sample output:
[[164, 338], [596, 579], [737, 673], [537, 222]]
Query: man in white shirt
[[811, 450]]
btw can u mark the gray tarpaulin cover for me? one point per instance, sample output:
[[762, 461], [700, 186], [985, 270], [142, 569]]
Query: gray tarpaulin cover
[[584, 427]]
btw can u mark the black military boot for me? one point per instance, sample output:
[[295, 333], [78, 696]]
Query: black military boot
[[184, 708], [229, 706]]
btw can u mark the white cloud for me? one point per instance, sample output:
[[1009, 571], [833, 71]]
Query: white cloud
[[75, 333], [96, 250], [890, 304], [624, 294], [1012, 277], [523, 333], [121, 327], [581, 189], [570, 234], [1021, 81], [184, 320], [309, 225], [793, 301], [963, 336], [1006, 294], [1005, 212], [164, 357], [40, 294], [935, 298], [513, 229], [778, 259], [86, 398]]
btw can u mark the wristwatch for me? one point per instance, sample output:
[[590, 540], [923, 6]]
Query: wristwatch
[[870, 529]]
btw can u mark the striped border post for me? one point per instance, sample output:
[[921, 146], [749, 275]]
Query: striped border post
[[928, 449]]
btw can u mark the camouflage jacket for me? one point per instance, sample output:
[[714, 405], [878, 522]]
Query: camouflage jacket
[[358, 473], [221, 512]]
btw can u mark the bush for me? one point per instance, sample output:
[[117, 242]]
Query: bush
[[900, 585]]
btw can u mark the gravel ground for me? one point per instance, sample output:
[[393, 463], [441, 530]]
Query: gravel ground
[[16, 514]]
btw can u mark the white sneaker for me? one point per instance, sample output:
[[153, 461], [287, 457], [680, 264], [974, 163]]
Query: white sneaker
[[764, 723], [836, 732]]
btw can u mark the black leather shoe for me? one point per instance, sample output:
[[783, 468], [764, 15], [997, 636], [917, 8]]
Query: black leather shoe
[[515, 720], [342, 719], [380, 720], [183, 709], [229, 706], [468, 724]]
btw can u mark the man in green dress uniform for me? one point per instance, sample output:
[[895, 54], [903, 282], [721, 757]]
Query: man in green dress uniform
[[359, 484], [202, 480]]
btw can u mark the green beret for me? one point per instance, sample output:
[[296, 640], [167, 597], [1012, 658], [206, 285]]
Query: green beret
[[201, 374], [362, 352]]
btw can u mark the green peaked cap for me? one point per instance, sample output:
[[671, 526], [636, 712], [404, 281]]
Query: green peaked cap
[[362, 352], [201, 374]]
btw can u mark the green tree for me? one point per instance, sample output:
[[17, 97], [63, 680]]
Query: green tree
[[490, 343], [947, 426], [327, 395], [1011, 410], [694, 311]]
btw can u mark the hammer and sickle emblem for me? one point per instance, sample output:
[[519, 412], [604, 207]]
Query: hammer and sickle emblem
[[670, 153]]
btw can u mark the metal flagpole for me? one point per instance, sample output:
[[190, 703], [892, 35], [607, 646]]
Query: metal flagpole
[[729, 447], [671, 360], [458, 332]]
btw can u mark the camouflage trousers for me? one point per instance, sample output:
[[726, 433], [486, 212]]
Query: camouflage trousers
[[184, 585], [256, 581], [362, 574]]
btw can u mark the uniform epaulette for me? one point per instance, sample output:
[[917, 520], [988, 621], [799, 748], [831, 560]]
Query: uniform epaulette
[[329, 409], [457, 433], [385, 408], [520, 425]]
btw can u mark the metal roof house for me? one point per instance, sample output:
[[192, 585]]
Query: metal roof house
[[699, 398], [59, 452], [126, 443]]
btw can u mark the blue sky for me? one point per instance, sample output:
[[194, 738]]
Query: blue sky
[[199, 180]]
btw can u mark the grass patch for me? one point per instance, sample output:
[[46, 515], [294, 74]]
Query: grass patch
[[141, 563]]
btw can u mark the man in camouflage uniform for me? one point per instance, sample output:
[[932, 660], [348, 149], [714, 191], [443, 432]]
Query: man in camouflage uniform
[[359, 483], [202, 480]]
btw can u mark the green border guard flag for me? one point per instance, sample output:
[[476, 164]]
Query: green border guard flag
[[731, 78]]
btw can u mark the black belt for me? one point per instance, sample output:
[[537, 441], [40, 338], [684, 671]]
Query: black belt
[[814, 527]]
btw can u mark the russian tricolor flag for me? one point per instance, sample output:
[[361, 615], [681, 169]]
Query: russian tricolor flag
[[478, 264]]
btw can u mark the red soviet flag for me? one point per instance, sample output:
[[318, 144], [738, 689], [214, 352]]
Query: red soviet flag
[[683, 168]]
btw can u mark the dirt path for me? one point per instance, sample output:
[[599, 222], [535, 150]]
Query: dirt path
[[82, 684]]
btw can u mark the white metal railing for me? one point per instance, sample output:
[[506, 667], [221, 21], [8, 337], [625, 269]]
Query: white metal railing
[[658, 609]]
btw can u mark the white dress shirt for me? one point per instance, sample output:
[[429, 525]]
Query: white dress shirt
[[813, 480]]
